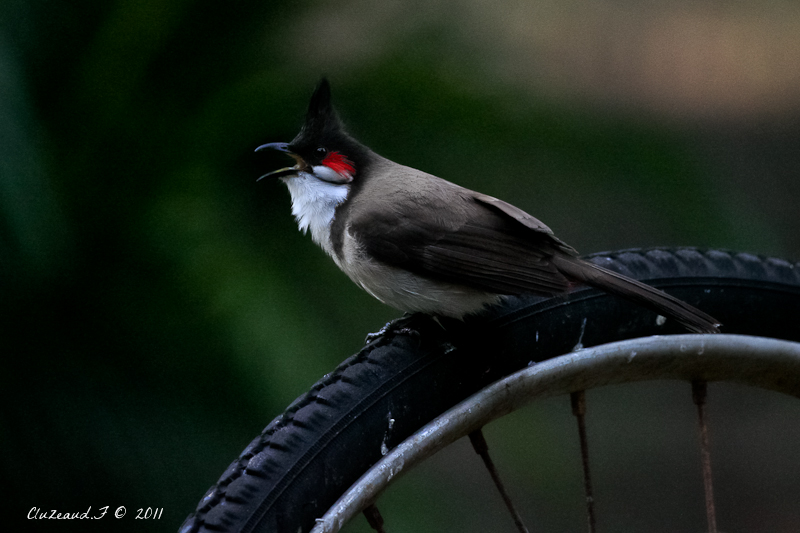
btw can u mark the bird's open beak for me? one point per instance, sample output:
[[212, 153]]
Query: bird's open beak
[[286, 171]]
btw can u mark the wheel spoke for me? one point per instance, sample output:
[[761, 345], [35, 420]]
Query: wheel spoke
[[482, 448], [578, 401], [699, 392], [374, 518]]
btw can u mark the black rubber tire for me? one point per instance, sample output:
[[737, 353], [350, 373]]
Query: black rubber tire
[[324, 441]]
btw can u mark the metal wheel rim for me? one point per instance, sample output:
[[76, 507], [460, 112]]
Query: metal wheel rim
[[766, 363]]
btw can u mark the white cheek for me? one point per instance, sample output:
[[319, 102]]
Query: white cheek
[[328, 174]]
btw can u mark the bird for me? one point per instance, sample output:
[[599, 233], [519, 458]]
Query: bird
[[422, 244]]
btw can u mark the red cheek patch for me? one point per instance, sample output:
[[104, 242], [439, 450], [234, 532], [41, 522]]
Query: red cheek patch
[[339, 163]]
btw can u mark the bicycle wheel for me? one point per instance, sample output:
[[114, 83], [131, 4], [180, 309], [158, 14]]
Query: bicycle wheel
[[764, 363], [309, 455]]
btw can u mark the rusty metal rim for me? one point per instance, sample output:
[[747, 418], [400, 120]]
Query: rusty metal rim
[[761, 362]]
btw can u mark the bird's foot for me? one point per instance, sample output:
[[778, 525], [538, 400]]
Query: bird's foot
[[398, 326]]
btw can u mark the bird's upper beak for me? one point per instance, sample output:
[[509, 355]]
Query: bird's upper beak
[[286, 171]]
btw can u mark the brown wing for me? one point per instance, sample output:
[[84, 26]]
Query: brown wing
[[490, 246]]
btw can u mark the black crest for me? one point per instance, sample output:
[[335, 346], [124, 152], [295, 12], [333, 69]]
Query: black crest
[[324, 130], [321, 118]]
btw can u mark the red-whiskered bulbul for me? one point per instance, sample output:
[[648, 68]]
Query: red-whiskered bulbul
[[422, 244]]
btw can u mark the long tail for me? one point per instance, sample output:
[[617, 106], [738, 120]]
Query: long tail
[[692, 318]]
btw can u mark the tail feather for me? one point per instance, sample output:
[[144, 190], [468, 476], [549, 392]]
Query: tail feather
[[636, 291]]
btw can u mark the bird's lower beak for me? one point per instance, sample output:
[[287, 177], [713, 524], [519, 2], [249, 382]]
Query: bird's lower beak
[[286, 171]]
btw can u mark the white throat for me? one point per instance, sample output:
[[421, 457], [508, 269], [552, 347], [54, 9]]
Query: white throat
[[313, 205]]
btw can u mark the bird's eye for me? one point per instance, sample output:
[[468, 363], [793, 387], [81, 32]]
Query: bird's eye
[[321, 151]]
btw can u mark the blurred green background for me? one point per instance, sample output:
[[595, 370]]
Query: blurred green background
[[159, 307]]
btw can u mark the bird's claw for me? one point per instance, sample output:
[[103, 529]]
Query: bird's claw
[[398, 326]]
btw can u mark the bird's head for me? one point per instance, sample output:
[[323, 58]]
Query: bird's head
[[322, 149]]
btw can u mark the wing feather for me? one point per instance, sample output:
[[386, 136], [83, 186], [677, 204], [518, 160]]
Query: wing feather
[[492, 246]]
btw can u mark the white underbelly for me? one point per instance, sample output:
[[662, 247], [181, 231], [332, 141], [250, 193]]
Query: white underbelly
[[410, 293]]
